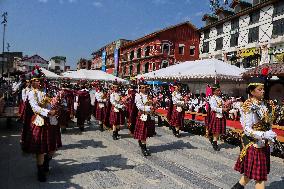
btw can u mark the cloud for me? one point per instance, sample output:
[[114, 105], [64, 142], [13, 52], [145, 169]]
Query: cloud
[[72, 1], [200, 13], [97, 4], [42, 1]]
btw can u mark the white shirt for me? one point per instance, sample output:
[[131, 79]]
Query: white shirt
[[250, 118], [140, 101], [177, 98], [35, 97], [99, 97], [93, 97], [25, 93], [115, 100]]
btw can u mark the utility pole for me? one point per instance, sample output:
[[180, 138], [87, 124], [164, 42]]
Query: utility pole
[[4, 22]]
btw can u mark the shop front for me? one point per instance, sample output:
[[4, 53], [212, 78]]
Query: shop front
[[249, 57], [276, 54]]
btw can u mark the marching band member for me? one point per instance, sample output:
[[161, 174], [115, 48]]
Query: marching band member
[[217, 121], [67, 100], [24, 98], [131, 108], [256, 119], [100, 106], [177, 117], [145, 125], [43, 136], [117, 117], [83, 101]]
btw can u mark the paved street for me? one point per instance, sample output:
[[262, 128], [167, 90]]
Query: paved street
[[94, 160]]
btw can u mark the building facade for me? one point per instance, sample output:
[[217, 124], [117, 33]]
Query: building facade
[[27, 64], [107, 57], [7, 62], [57, 64], [160, 49], [84, 64], [251, 35]]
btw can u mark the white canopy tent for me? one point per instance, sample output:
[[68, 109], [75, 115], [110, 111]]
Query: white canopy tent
[[197, 70], [49, 74], [91, 75]]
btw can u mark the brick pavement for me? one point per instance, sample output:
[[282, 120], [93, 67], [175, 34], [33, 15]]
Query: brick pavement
[[92, 160]]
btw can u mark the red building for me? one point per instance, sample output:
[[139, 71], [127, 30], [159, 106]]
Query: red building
[[160, 49]]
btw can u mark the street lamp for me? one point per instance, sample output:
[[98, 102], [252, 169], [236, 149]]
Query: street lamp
[[4, 22]]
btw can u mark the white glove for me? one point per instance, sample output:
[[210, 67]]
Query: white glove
[[270, 135]]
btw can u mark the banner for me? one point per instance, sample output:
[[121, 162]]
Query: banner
[[104, 61], [115, 72]]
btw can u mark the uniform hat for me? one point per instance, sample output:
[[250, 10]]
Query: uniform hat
[[256, 81], [37, 74]]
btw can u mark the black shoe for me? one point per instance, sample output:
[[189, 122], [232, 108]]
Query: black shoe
[[41, 174], [177, 134], [82, 128], [174, 131], [215, 146], [238, 186], [140, 143], [211, 140], [46, 161], [144, 150], [117, 135], [114, 136], [63, 130], [101, 127]]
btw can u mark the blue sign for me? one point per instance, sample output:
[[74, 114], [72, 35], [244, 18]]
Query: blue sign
[[104, 61], [115, 62]]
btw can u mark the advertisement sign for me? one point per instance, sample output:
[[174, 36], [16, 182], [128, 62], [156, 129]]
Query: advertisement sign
[[115, 62], [104, 61], [248, 52]]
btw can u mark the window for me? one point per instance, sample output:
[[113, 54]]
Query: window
[[253, 35], [130, 69], [147, 67], [234, 40], [139, 53], [278, 8], [235, 24], [254, 17], [278, 28], [131, 55], [166, 48], [138, 68], [206, 47], [147, 51], [206, 34], [192, 50], [219, 29], [181, 49], [154, 66], [165, 64], [57, 68], [219, 43]]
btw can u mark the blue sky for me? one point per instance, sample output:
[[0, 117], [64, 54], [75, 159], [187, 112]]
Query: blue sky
[[74, 28]]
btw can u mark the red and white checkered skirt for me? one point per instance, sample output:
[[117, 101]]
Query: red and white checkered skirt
[[144, 129], [256, 164], [216, 125], [177, 118], [100, 113], [116, 118], [44, 139]]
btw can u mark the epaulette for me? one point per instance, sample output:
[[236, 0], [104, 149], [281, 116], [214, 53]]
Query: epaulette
[[247, 105]]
